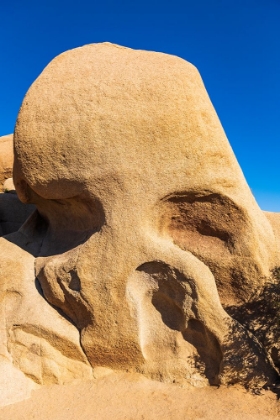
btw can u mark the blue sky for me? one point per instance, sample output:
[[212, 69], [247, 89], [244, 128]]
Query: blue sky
[[234, 43]]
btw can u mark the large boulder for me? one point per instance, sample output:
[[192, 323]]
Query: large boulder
[[145, 229]]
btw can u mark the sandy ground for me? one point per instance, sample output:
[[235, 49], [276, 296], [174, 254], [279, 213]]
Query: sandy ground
[[121, 396]]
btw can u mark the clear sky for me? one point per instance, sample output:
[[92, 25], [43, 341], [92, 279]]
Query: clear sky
[[234, 43]]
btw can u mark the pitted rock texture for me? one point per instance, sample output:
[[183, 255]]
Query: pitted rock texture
[[145, 227], [13, 213], [6, 159]]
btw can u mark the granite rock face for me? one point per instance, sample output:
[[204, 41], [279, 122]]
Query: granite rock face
[[145, 228], [13, 212], [6, 158]]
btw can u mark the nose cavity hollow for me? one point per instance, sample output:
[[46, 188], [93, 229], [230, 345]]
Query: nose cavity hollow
[[173, 295], [175, 299]]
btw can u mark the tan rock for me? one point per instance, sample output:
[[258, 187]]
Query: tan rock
[[34, 339], [6, 158], [14, 385], [274, 219], [13, 213], [145, 224], [142, 122], [9, 186]]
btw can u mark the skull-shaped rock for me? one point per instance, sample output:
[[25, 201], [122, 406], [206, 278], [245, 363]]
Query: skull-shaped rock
[[150, 225]]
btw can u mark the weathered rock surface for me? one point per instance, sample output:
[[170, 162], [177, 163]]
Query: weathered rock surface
[[35, 339], [6, 158], [13, 212], [274, 219], [9, 186], [145, 229]]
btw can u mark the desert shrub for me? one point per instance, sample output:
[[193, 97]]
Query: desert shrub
[[261, 315]]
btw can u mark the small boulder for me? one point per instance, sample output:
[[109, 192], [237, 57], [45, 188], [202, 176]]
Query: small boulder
[[6, 159]]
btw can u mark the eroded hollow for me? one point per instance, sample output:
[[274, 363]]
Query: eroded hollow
[[174, 299], [174, 294], [214, 229], [69, 221], [200, 221], [61, 287]]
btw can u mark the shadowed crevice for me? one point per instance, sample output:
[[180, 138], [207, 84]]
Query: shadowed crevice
[[208, 348]]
